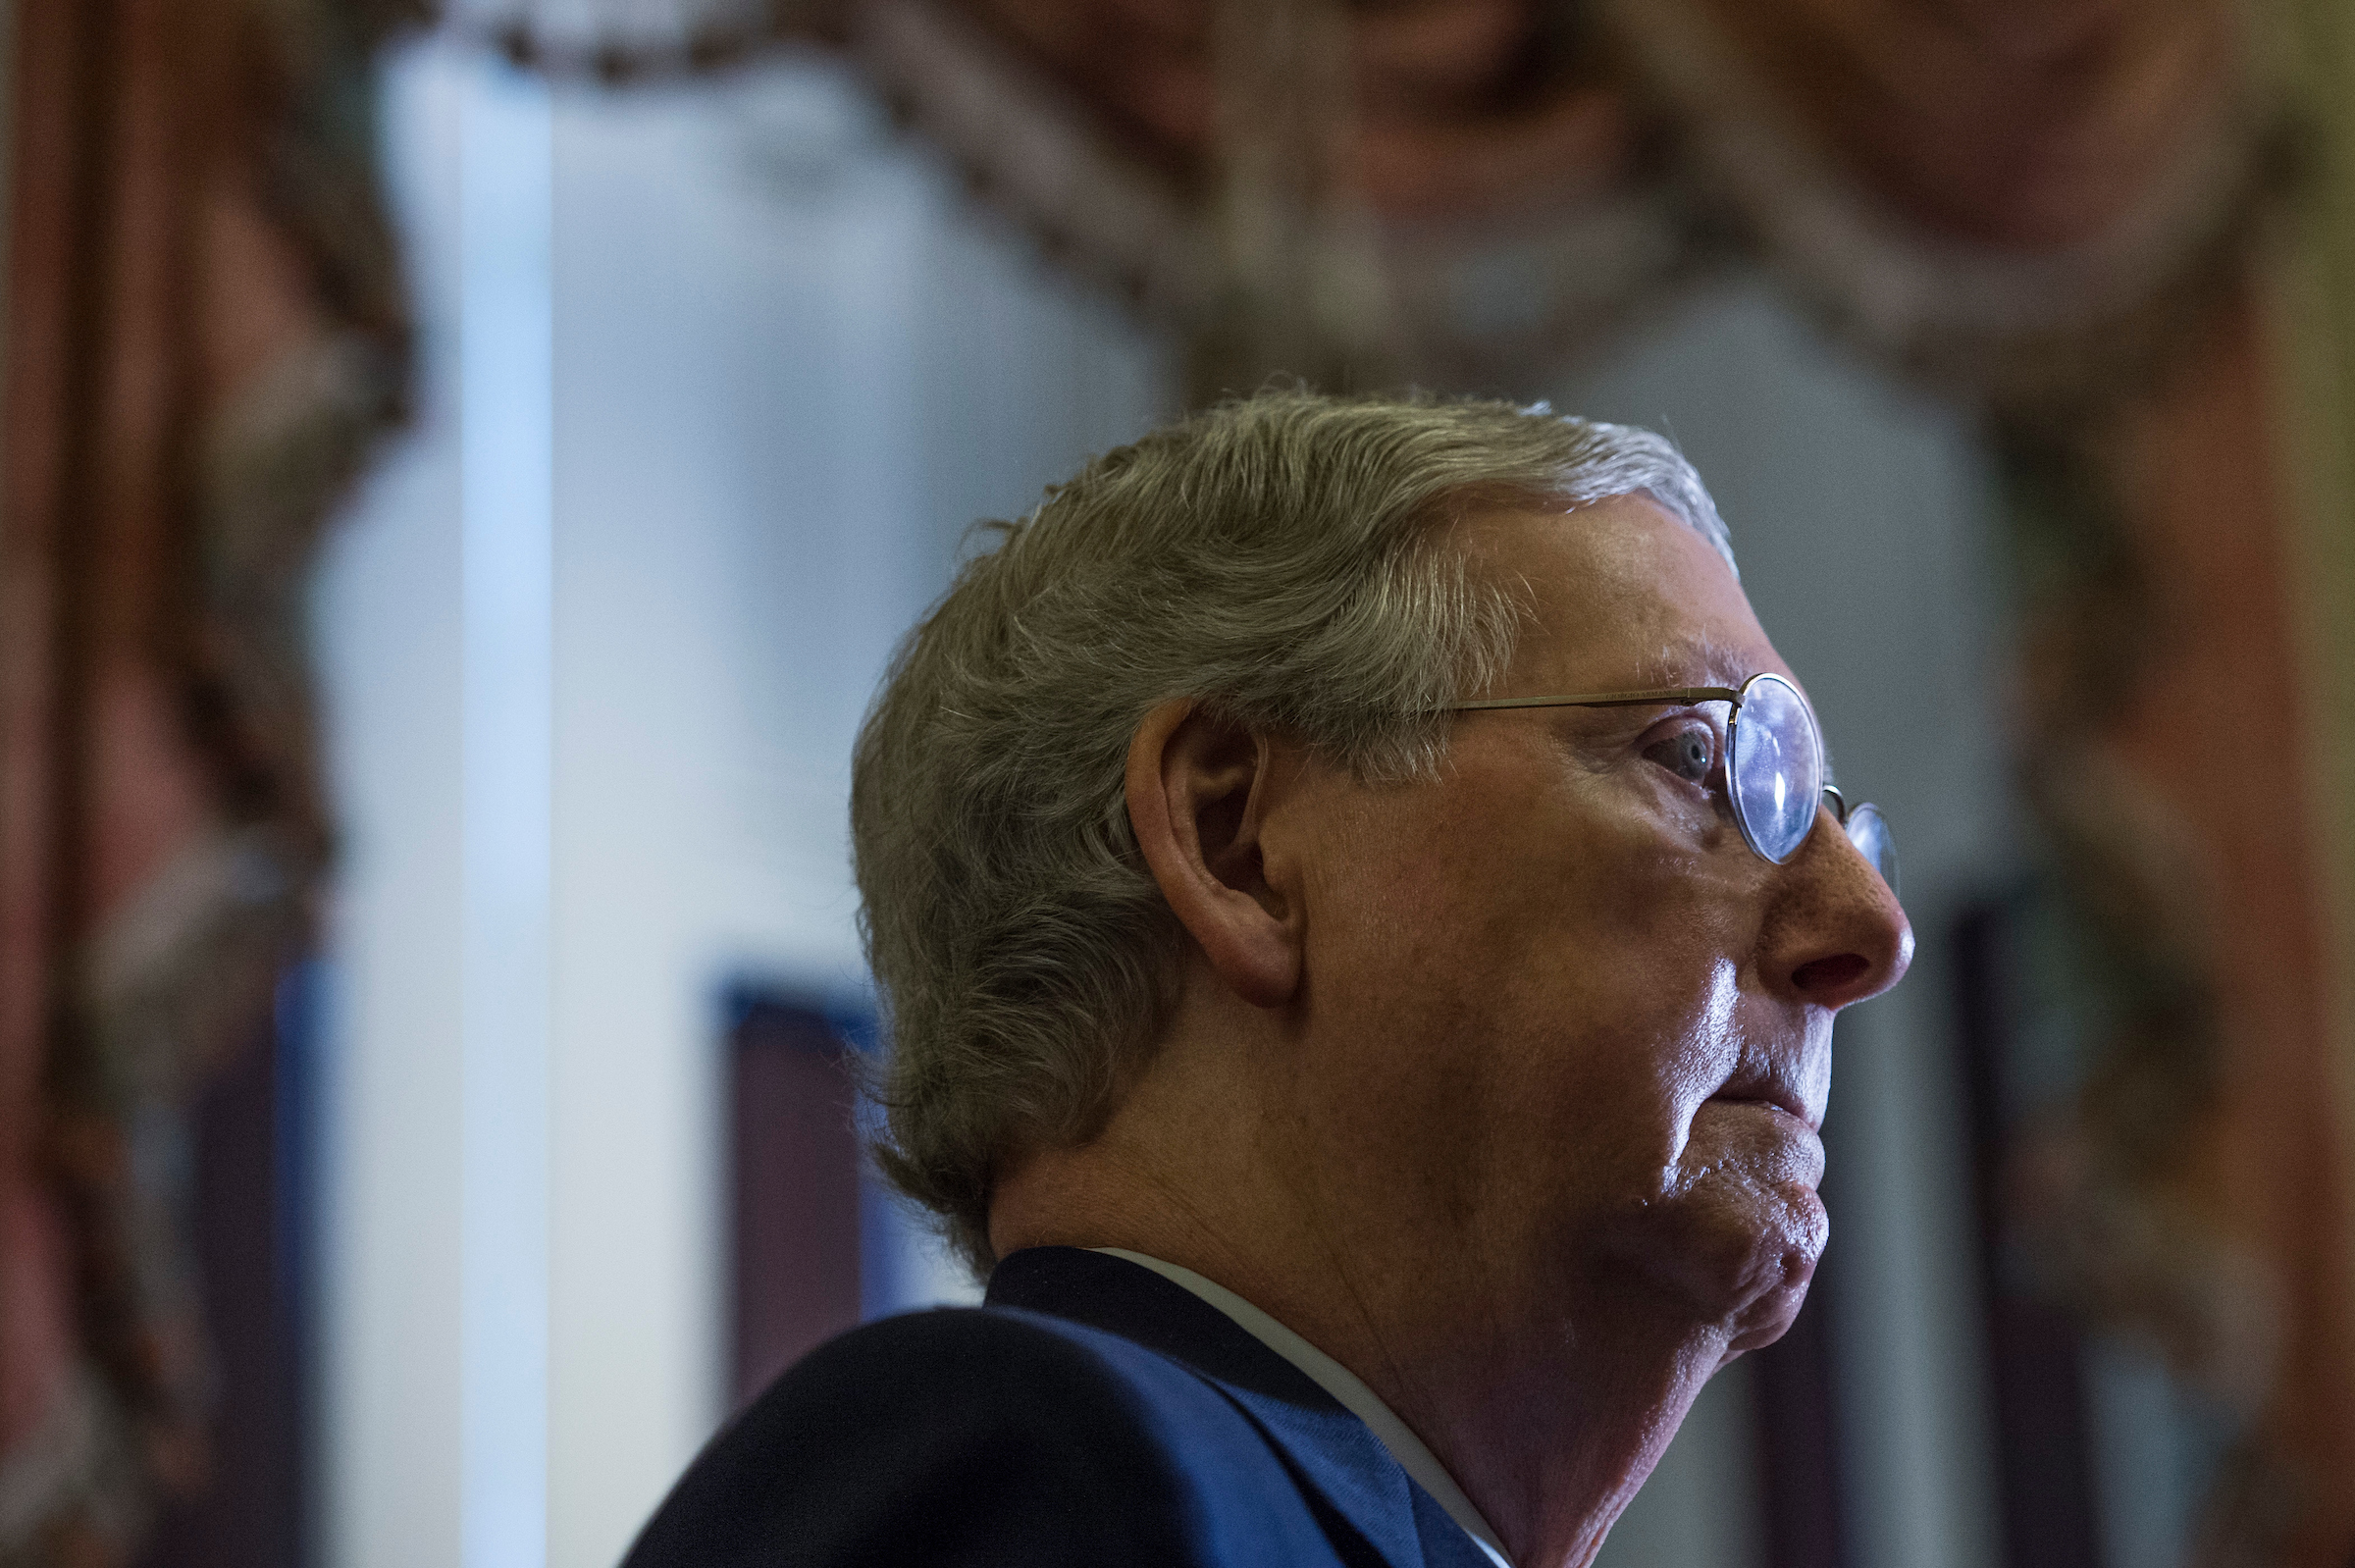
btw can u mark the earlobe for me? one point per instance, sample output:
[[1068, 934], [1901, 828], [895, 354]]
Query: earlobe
[[1197, 792]]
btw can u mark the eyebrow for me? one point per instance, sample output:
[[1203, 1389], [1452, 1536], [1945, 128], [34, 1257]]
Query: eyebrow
[[1699, 661], [1712, 663], [1676, 666]]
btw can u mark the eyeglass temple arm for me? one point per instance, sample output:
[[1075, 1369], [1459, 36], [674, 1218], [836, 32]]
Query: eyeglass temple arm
[[1672, 693]]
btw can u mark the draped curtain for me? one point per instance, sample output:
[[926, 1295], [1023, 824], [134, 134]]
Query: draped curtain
[[2117, 232], [204, 330], [2017, 201]]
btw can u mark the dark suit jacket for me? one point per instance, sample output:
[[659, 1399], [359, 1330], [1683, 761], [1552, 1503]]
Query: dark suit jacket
[[1090, 1412]]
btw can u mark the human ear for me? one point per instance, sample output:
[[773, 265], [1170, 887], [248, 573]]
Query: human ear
[[1197, 793]]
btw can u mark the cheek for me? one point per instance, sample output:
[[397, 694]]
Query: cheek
[[1554, 1013], [1608, 1102], [1630, 1007]]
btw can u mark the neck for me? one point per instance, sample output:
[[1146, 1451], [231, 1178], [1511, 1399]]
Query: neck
[[1547, 1407]]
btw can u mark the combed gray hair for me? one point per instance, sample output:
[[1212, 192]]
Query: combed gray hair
[[1276, 559]]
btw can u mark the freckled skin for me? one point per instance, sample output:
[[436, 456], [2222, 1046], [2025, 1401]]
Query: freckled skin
[[1471, 1081]]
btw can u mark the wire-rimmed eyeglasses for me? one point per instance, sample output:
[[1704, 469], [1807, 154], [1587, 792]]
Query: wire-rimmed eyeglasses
[[1774, 767]]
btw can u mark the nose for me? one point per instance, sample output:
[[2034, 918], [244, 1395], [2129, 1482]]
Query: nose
[[1835, 932]]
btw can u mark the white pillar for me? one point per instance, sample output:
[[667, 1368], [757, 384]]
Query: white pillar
[[504, 409]]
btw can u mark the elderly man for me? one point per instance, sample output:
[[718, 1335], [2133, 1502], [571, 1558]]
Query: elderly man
[[1362, 909]]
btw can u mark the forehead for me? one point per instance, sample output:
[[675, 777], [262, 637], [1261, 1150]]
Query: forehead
[[1621, 594]]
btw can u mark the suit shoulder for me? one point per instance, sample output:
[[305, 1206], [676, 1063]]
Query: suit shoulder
[[987, 1434]]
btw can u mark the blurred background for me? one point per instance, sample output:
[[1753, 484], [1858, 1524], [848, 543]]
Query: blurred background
[[467, 466]]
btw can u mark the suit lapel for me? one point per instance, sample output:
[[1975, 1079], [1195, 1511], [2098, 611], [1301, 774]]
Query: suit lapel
[[1360, 1477], [1332, 1455]]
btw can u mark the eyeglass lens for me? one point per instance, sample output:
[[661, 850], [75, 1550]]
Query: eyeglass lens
[[1774, 767], [1868, 831]]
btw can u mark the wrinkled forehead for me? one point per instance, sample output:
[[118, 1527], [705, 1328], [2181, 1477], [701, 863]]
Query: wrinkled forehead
[[1619, 594]]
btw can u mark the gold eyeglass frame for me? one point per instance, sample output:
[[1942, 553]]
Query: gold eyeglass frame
[[1684, 696]]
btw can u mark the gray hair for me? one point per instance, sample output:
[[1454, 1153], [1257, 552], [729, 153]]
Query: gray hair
[[1278, 560]]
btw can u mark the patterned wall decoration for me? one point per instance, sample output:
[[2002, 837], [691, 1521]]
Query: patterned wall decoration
[[204, 336]]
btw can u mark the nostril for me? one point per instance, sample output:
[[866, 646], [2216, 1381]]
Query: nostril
[[1823, 975]]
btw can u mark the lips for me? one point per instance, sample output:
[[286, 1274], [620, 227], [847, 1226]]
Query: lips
[[1766, 1088]]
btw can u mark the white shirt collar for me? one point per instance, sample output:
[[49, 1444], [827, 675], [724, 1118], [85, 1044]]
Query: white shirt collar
[[1346, 1388]]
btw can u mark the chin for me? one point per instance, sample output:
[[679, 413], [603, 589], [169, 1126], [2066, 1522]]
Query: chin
[[1767, 1319], [1727, 1256]]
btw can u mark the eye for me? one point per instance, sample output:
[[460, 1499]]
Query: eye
[[1690, 752]]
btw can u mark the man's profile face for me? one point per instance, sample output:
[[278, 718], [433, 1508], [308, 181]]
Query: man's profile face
[[1571, 1039]]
